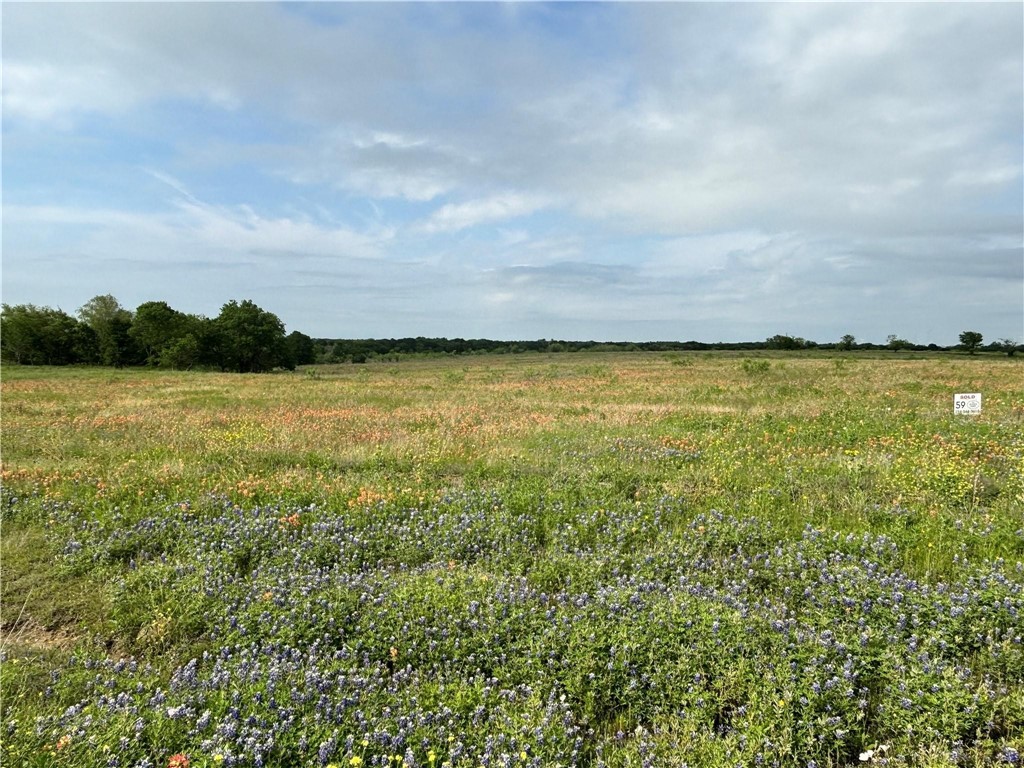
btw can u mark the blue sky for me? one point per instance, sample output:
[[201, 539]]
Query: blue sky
[[608, 171]]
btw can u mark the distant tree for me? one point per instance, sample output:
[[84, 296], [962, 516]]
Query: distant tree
[[111, 323], [155, 327], [780, 341], [846, 342], [17, 332], [301, 349], [249, 339], [970, 340], [182, 353], [896, 344], [1009, 346], [41, 336], [86, 345], [21, 333]]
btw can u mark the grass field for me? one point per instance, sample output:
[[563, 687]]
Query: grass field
[[529, 560]]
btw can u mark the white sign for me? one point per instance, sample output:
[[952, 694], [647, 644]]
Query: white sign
[[969, 403]]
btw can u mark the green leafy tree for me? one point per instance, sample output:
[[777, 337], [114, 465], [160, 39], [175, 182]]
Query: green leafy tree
[[34, 335], [896, 344], [846, 342], [970, 340], [155, 327], [779, 341], [21, 333], [1009, 346], [249, 339], [111, 323], [18, 332], [182, 353], [301, 349], [197, 344]]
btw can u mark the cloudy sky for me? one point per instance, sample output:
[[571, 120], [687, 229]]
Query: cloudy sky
[[609, 171]]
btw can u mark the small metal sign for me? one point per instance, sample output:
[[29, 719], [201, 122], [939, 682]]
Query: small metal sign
[[968, 403]]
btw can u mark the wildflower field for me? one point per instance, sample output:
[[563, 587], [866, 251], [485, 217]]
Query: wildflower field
[[530, 560]]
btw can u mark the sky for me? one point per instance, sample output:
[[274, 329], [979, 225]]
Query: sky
[[587, 171]]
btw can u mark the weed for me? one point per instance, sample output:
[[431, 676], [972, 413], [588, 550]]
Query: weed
[[756, 367]]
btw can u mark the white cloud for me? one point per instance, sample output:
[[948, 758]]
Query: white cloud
[[746, 162], [378, 165], [242, 230], [684, 258], [194, 228], [44, 92], [454, 217], [692, 117], [985, 177]]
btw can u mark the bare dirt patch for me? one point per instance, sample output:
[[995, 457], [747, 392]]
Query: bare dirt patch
[[29, 636]]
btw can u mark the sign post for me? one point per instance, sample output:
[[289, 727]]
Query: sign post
[[967, 403]]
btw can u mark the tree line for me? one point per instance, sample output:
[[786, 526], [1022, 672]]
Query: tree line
[[364, 350], [246, 338], [243, 337]]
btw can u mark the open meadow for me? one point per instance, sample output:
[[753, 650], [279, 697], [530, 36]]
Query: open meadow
[[516, 560]]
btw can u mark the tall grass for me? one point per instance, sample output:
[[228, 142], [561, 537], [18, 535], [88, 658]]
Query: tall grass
[[580, 559]]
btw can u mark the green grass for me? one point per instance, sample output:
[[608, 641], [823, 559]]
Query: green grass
[[610, 539]]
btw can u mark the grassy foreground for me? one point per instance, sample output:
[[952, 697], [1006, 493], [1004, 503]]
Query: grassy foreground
[[526, 560]]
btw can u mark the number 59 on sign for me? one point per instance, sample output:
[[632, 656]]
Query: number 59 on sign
[[967, 403]]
